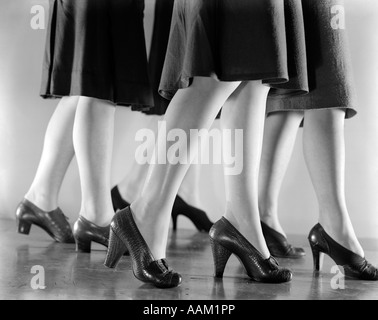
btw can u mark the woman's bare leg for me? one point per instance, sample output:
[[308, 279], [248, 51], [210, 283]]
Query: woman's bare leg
[[281, 130], [246, 110], [193, 108], [131, 185], [93, 141], [58, 152], [190, 186], [324, 150]]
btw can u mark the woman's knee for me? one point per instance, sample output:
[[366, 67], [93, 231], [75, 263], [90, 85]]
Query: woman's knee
[[207, 85], [325, 115], [95, 106], [287, 116]]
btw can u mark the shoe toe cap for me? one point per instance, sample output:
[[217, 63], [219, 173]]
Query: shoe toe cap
[[171, 280], [282, 276]]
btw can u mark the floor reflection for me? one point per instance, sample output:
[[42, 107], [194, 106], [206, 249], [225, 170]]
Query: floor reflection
[[71, 275]]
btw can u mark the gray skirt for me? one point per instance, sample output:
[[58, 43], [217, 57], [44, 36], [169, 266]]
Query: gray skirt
[[329, 65]]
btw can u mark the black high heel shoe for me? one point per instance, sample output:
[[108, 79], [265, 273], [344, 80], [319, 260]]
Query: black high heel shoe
[[278, 245], [354, 265], [124, 233], [197, 216], [118, 202], [86, 232], [55, 223], [180, 207], [227, 240]]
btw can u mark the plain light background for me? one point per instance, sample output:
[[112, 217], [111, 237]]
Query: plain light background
[[24, 118]]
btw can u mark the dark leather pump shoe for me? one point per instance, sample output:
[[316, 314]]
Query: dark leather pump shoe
[[86, 232], [55, 223], [118, 202], [354, 265], [278, 245], [180, 207], [227, 240], [197, 216], [124, 233]]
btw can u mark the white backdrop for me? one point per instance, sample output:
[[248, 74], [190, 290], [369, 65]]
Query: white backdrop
[[24, 117]]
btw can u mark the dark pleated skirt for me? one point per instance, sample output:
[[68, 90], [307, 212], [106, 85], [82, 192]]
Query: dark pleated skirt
[[97, 49], [288, 44], [237, 40], [329, 67], [160, 37]]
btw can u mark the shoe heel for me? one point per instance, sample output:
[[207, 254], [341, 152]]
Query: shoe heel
[[174, 221], [83, 246], [221, 256], [318, 257], [115, 251], [24, 227]]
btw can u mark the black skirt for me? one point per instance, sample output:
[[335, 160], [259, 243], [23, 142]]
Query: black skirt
[[237, 40], [97, 49], [160, 37], [328, 63]]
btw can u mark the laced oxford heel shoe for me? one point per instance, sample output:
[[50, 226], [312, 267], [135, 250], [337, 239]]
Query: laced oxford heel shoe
[[279, 246], [86, 232], [55, 223]]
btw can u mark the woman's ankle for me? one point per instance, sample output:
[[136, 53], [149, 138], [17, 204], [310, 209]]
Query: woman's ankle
[[100, 215], [251, 230], [43, 201], [153, 226], [340, 229], [270, 218]]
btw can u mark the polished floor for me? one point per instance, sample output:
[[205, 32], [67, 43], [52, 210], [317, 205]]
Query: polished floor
[[69, 275]]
